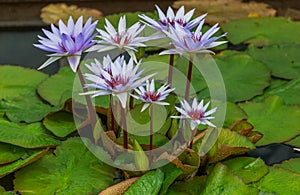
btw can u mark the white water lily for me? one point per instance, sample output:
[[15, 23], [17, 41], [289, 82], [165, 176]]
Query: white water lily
[[69, 40], [116, 77], [185, 41], [196, 113], [150, 96], [123, 39], [170, 19]]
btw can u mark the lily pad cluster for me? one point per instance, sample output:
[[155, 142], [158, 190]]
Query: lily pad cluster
[[41, 148]]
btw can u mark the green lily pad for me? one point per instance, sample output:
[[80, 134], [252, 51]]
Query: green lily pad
[[262, 31], [273, 182], [288, 91], [248, 169], [172, 172], [28, 158], [281, 59], [64, 85], [148, 184], [233, 114], [60, 124], [58, 88], [32, 135], [243, 76], [276, 121], [28, 108], [292, 164], [10, 153], [4, 192], [73, 169], [222, 181], [16, 81], [230, 143], [194, 185], [295, 142], [158, 64]]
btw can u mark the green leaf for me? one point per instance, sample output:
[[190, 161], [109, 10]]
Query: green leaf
[[248, 169], [72, 169], [29, 157], [262, 31], [140, 158], [138, 122], [222, 181], [171, 172], [292, 164], [18, 97], [244, 77], [4, 192], [16, 81], [281, 59], [295, 142], [230, 143], [192, 186], [276, 121], [64, 85], [58, 88], [148, 184], [26, 135], [288, 91], [158, 64], [276, 182], [233, 114], [28, 108], [10, 153], [60, 124]]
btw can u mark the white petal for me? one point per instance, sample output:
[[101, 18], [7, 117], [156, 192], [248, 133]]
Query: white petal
[[145, 106], [123, 98], [49, 61]]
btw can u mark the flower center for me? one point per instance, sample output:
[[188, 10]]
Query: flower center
[[116, 81], [148, 95], [118, 37], [196, 114]]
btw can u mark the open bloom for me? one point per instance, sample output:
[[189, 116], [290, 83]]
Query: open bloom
[[68, 40], [114, 77], [185, 41], [123, 39], [149, 95], [196, 113], [165, 21]]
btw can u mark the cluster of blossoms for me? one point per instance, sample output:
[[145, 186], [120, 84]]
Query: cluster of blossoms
[[121, 78]]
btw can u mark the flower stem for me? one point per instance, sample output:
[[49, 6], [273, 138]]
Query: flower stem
[[151, 132], [124, 125], [112, 113], [171, 70], [90, 108], [193, 135], [189, 78]]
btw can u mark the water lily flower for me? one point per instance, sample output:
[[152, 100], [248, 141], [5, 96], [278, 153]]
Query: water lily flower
[[185, 41], [114, 77], [196, 113], [149, 95], [123, 39], [170, 19], [69, 40]]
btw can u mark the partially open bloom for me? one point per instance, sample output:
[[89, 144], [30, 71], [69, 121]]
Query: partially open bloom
[[196, 113], [114, 77], [185, 41], [170, 19], [149, 95], [123, 39], [69, 40]]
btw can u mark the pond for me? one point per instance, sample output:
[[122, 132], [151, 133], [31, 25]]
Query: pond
[[152, 102]]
